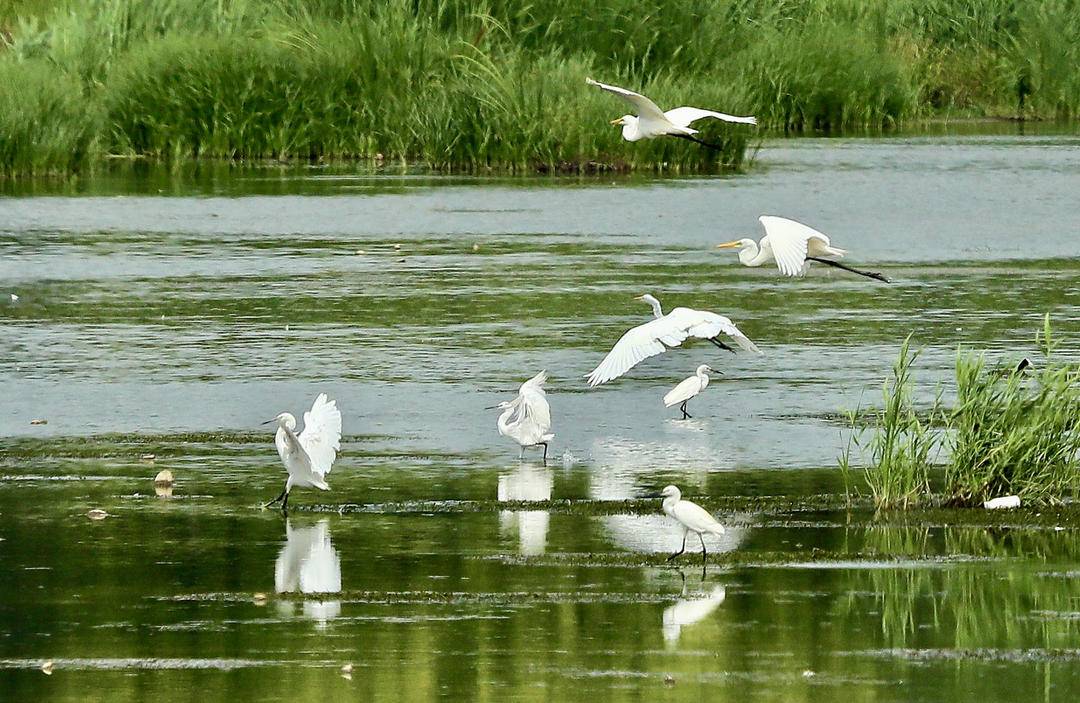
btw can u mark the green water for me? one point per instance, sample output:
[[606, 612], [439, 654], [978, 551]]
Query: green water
[[168, 314]]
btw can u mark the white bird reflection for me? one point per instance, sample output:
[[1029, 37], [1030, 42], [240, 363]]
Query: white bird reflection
[[308, 563], [526, 482], [690, 610]]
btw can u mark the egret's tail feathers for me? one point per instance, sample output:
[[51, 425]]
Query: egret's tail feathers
[[717, 530], [548, 437], [835, 251], [320, 483]]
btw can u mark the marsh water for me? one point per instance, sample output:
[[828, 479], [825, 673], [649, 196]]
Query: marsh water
[[162, 315]]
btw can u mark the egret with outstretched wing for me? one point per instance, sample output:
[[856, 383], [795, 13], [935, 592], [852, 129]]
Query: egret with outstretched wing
[[527, 418], [663, 332], [792, 245], [651, 121], [308, 456]]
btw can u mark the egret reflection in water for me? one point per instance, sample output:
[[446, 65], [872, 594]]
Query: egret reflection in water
[[690, 610], [308, 563], [526, 483]]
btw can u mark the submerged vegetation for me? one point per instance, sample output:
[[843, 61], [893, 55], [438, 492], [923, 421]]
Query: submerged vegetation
[[467, 84], [1012, 431]]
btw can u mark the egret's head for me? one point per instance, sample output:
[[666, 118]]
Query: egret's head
[[647, 299], [285, 420], [737, 244], [501, 406], [624, 120], [670, 492], [704, 368]]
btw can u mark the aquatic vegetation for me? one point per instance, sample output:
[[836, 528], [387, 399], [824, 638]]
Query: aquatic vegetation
[[480, 84], [1011, 432]]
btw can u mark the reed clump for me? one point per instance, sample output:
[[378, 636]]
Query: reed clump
[[470, 84], [1013, 431]]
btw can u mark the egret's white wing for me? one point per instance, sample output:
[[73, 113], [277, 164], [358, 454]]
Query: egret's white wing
[[789, 240], [684, 116], [696, 518], [686, 390], [706, 325], [321, 438], [636, 345], [534, 407], [646, 108]]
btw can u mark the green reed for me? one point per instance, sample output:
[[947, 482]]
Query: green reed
[[1010, 432]]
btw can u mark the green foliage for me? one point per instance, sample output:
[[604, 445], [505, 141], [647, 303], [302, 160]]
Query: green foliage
[[499, 83], [1011, 432], [900, 448]]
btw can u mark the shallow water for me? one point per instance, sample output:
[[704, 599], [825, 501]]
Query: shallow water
[[168, 314]]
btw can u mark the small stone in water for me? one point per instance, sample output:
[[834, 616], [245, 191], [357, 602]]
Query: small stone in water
[[476, 247], [360, 252], [346, 669], [164, 478], [397, 246], [47, 667], [148, 457], [808, 674], [401, 260], [14, 298], [39, 421], [259, 599], [669, 679], [97, 514]]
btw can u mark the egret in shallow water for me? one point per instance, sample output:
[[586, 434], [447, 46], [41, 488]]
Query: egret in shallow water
[[663, 332], [651, 121], [792, 245], [309, 455], [687, 389], [691, 516], [527, 418]]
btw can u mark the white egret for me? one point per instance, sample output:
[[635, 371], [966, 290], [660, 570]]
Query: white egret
[[527, 418], [663, 332], [309, 456], [652, 122], [691, 516], [792, 245], [687, 389]]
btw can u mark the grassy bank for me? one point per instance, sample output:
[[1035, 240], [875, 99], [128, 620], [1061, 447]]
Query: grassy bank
[[468, 84], [1011, 431]]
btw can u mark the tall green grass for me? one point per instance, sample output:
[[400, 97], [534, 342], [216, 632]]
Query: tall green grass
[[1010, 432], [499, 83]]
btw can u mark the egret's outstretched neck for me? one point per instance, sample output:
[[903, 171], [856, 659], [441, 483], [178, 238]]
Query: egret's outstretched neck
[[754, 255], [657, 311], [504, 420]]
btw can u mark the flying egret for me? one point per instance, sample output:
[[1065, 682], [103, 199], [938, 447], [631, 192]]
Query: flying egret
[[527, 418], [665, 331], [652, 122], [792, 245], [691, 516], [309, 456], [687, 389]]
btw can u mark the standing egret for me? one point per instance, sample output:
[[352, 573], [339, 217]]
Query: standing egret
[[652, 122], [309, 456], [691, 516], [665, 331], [527, 418], [792, 245], [687, 389]]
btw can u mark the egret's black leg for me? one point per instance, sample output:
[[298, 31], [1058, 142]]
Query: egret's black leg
[[284, 492], [837, 264], [721, 345], [704, 552], [685, 415], [545, 452], [681, 550], [714, 147], [285, 503]]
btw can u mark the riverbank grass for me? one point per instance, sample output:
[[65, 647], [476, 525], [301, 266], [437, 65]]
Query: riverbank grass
[[1012, 431]]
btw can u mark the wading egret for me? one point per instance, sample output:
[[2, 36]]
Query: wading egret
[[527, 418], [691, 516], [310, 455], [665, 331], [688, 389], [652, 122], [792, 245]]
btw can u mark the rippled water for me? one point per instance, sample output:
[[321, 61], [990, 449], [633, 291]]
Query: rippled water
[[168, 314]]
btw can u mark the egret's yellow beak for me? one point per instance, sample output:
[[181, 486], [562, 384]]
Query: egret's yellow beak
[[729, 245], [617, 120], [639, 297]]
